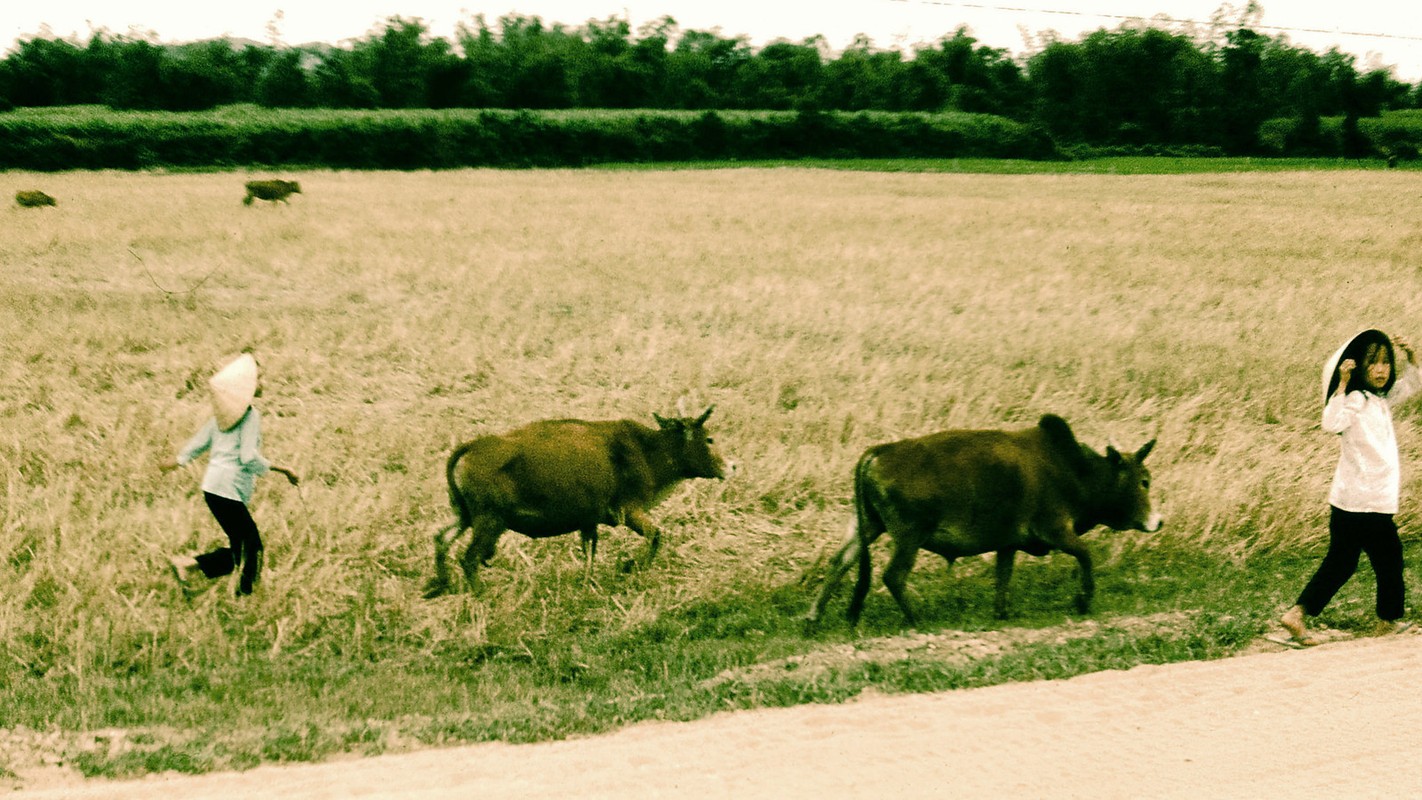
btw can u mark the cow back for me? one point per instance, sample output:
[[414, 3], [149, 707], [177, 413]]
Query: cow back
[[552, 458], [985, 458]]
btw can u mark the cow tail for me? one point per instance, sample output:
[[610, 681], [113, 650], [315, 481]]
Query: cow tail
[[866, 524], [439, 584], [456, 497]]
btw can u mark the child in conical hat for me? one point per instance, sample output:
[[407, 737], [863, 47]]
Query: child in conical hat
[[1362, 383], [232, 438]]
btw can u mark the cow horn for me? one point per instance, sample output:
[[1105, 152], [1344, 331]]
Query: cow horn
[[1144, 451], [662, 422], [701, 420]]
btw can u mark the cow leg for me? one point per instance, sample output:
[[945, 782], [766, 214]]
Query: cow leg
[[481, 546], [439, 584], [589, 537], [1005, 560], [896, 575], [1074, 546], [639, 521]]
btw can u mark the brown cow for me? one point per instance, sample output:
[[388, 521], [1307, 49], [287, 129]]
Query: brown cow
[[961, 493], [554, 477], [271, 191], [33, 198]]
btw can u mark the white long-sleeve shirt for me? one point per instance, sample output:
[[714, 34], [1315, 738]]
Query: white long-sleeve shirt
[[1369, 475], [234, 456]]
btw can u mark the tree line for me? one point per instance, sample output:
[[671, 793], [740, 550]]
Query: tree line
[[1131, 86]]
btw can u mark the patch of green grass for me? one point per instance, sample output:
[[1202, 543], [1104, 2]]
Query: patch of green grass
[[192, 757]]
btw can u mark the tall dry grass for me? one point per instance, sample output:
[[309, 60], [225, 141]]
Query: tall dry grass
[[821, 312]]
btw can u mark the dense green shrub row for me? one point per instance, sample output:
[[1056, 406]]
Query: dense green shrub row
[[79, 138], [92, 137], [1397, 133]]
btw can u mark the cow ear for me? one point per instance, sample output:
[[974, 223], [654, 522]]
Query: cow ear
[[662, 422], [701, 420], [1113, 455], [1144, 451]]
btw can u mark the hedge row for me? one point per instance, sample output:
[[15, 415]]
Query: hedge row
[[246, 136]]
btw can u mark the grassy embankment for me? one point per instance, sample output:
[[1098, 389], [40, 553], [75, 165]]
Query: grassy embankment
[[397, 313]]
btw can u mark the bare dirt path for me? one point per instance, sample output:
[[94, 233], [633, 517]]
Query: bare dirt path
[[1339, 720]]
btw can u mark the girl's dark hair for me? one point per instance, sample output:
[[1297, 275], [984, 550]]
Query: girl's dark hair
[[1358, 351]]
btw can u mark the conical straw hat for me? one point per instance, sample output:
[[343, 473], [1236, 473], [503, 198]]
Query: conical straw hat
[[1354, 348], [233, 388]]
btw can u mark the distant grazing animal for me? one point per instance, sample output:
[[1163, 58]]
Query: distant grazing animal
[[34, 199], [965, 492], [554, 477], [271, 190]]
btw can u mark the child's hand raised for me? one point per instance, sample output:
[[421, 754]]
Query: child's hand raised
[[1345, 371], [1406, 348]]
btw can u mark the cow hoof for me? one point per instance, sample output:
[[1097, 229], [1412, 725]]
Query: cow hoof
[[435, 589], [628, 565]]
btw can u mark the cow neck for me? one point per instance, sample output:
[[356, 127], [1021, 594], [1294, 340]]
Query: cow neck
[[1089, 498], [659, 445]]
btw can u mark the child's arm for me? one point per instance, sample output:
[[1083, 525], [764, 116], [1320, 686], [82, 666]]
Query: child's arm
[[1409, 377], [1339, 412], [195, 447], [251, 452]]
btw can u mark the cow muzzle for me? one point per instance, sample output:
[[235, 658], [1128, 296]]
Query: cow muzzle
[[1152, 523]]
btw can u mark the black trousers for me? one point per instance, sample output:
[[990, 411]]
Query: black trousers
[[1350, 534], [246, 544]]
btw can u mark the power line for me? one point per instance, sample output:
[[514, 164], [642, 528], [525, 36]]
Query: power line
[[1281, 28]]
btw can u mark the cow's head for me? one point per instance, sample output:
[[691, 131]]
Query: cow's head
[[693, 446], [1128, 505]]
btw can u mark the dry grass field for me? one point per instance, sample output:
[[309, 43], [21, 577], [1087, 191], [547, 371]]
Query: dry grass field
[[397, 314]]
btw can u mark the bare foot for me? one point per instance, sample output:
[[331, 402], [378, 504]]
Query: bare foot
[[1293, 622]]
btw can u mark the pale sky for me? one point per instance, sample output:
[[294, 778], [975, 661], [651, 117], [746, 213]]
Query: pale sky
[[1377, 32]]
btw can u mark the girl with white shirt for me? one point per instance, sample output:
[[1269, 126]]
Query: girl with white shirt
[[1361, 387], [232, 440]]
